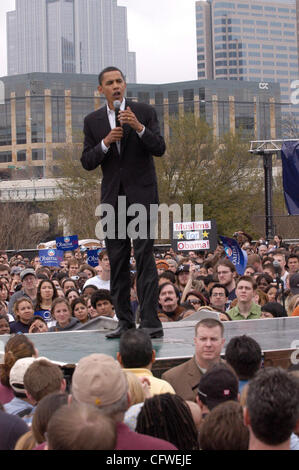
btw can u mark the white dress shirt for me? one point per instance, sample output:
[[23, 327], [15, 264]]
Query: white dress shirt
[[111, 118]]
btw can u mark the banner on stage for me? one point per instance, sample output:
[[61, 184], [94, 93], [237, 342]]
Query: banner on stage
[[192, 236], [69, 243], [235, 254], [51, 257]]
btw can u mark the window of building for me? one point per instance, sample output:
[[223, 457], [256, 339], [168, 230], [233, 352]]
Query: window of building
[[21, 156], [5, 157], [256, 7], [221, 72], [221, 63], [40, 154], [218, 55], [143, 97]]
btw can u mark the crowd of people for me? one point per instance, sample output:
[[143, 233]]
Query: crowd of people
[[207, 402], [36, 298]]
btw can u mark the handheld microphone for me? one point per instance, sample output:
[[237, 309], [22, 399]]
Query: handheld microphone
[[116, 105]]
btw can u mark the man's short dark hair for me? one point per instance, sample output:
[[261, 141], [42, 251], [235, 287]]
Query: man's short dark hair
[[244, 355], [219, 286], [227, 263], [100, 294], [109, 69], [273, 405], [135, 348], [169, 275]]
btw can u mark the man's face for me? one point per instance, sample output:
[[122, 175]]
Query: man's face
[[168, 299], [225, 275], [5, 273], [208, 344], [105, 263], [218, 297], [73, 269], [244, 291], [249, 271], [263, 249], [293, 265], [29, 282], [113, 87], [281, 260], [105, 308]]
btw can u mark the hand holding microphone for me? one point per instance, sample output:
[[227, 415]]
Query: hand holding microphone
[[116, 134]]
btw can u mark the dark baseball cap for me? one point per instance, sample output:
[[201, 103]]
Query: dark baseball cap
[[217, 385]]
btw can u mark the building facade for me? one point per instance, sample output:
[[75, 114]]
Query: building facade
[[43, 113], [68, 36], [254, 40]]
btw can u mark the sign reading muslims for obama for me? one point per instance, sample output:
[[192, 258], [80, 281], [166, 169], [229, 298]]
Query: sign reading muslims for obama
[[190, 236]]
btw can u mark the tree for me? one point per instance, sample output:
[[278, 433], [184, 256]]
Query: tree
[[16, 232], [80, 193], [219, 173]]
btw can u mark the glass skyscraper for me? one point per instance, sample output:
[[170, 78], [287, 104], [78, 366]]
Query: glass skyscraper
[[68, 36], [252, 40]]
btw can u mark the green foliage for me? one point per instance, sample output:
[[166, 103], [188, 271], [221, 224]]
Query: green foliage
[[219, 173], [80, 193]]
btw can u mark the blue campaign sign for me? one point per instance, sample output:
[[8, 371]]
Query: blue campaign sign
[[67, 243], [93, 257], [50, 257], [235, 254]]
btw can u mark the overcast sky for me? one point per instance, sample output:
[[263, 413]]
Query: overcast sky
[[161, 32]]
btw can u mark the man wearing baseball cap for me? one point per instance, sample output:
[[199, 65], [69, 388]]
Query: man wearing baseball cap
[[217, 385], [99, 380], [29, 288]]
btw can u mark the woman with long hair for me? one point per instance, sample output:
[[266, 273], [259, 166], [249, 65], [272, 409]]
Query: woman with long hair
[[17, 347], [46, 293]]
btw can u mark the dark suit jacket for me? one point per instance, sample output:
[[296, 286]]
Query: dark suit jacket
[[183, 378], [134, 166]]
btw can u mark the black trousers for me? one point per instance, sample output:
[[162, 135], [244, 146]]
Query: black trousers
[[119, 253]]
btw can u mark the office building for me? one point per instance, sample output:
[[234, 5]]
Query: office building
[[254, 40], [43, 113], [68, 36]]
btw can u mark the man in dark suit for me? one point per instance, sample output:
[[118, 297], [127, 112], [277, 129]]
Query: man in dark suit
[[124, 153]]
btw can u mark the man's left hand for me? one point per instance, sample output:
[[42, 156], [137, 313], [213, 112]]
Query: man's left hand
[[128, 117]]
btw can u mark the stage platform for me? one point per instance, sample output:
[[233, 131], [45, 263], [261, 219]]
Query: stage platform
[[276, 337]]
